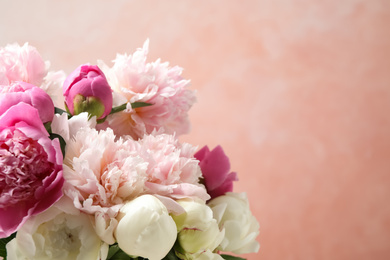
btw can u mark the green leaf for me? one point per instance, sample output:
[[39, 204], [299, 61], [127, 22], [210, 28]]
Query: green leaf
[[3, 243], [115, 253], [112, 251], [48, 127], [171, 255], [59, 111], [230, 257], [118, 108], [140, 104], [99, 121], [120, 255], [62, 142], [133, 105]]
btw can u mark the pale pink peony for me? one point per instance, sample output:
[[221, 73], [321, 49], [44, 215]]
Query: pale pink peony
[[216, 173], [103, 171], [86, 90], [101, 174], [22, 63], [172, 171], [52, 85], [30, 167], [27, 93], [134, 80]]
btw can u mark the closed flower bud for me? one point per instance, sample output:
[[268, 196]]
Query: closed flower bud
[[145, 228], [199, 234], [86, 90]]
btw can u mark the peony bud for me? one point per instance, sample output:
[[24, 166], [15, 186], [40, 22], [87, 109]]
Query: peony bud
[[86, 90], [233, 213], [145, 228], [215, 168], [199, 234]]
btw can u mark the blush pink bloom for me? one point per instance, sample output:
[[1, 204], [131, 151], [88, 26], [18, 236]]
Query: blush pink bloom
[[134, 80], [101, 174], [29, 94], [22, 63], [172, 171], [215, 166], [86, 90], [30, 167]]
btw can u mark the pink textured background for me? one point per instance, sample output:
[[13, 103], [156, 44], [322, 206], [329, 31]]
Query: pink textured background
[[296, 91]]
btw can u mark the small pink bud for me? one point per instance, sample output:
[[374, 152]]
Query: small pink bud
[[86, 90]]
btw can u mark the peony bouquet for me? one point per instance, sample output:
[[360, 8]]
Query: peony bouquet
[[91, 166]]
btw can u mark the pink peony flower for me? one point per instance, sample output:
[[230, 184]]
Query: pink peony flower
[[30, 167], [29, 94], [22, 63], [215, 166], [52, 85], [101, 174], [86, 90], [172, 171], [134, 80]]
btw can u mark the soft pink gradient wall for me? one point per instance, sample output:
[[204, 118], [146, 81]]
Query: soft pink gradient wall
[[297, 92]]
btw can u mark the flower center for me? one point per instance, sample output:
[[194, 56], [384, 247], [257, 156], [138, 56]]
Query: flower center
[[23, 167], [61, 240]]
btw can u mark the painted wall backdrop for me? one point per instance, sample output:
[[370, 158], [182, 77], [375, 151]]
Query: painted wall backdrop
[[296, 91]]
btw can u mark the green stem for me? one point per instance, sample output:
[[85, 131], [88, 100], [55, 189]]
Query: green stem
[[133, 105]]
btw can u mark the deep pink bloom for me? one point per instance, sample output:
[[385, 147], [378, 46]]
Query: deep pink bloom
[[27, 93], [91, 83], [215, 166], [30, 167]]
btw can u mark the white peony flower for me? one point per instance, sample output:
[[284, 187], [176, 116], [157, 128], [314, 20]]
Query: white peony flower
[[61, 233], [68, 128], [208, 255], [145, 228], [199, 234], [241, 227], [52, 84]]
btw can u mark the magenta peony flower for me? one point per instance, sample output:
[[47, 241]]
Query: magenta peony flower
[[86, 90], [30, 167], [215, 166], [134, 80], [27, 93], [22, 63]]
